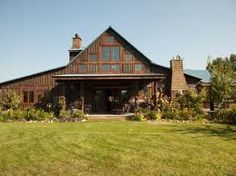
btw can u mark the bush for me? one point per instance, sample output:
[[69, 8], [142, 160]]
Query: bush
[[11, 100], [137, 117], [37, 114], [78, 114], [153, 115], [170, 114], [224, 116], [64, 114], [185, 114], [59, 105]]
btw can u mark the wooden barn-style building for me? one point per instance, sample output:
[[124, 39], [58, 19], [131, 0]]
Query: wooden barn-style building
[[102, 77]]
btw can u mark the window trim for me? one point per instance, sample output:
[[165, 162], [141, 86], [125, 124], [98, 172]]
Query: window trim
[[82, 70], [94, 54], [141, 67], [110, 53], [132, 56], [29, 95]]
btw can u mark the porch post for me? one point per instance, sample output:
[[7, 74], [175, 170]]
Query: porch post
[[82, 95], [136, 95], [155, 93]]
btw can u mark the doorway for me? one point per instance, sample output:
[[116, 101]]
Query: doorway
[[103, 100]]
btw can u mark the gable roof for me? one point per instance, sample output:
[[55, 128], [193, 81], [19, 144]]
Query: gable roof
[[109, 29]]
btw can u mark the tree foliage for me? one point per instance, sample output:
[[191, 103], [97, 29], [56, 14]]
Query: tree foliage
[[11, 100], [191, 100], [222, 73]]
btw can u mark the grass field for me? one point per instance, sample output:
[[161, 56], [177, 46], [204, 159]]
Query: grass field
[[117, 148]]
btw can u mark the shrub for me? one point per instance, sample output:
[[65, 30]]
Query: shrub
[[185, 114], [224, 116], [170, 114], [37, 114], [11, 100], [59, 105], [65, 114], [137, 117], [78, 114], [191, 100], [153, 115]]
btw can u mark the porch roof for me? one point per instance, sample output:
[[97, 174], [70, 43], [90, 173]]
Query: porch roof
[[145, 76]]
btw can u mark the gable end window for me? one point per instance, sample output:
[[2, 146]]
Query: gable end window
[[83, 68], [128, 56], [92, 57], [115, 67], [106, 54], [115, 53], [138, 67], [110, 53], [105, 67], [109, 39]]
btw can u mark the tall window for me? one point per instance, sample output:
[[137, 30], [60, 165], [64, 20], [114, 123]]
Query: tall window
[[110, 53], [106, 53], [128, 56], [28, 96], [115, 53]]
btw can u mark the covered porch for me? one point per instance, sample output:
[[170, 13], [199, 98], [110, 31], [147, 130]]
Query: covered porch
[[107, 93]]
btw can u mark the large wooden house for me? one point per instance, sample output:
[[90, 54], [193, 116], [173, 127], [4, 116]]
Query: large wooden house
[[102, 77]]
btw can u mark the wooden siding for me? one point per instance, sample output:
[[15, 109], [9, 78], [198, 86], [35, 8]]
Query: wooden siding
[[95, 48]]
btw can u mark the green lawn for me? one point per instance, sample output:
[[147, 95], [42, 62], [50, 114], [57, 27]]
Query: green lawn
[[117, 148]]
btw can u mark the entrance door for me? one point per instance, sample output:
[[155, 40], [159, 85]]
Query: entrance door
[[103, 101]]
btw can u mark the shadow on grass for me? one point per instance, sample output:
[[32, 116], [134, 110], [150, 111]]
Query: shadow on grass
[[227, 131]]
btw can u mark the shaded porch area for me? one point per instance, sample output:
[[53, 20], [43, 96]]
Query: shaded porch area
[[107, 93]]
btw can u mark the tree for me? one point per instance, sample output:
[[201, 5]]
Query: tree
[[221, 71], [11, 100]]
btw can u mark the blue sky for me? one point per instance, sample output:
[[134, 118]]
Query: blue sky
[[36, 35]]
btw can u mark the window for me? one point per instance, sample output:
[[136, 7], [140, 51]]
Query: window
[[128, 56], [92, 57], [137, 67], [105, 67], [28, 96], [111, 53], [83, 68], [110, 39], [106, 54], [115, 53], [93, 68], [127, 68], [115, 67]]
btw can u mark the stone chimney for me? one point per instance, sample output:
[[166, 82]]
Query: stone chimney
[[76, 47], [77, 41], [178, 81]]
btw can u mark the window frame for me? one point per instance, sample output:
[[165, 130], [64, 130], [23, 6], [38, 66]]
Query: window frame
[[92, 54], [126, 54], [83, 70], [28, 96], [111, 55], [109, 66], [115, 70], [141, 67]]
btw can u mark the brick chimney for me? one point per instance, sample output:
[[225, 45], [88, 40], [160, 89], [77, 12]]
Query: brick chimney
[[76, 46], [178, 81]]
